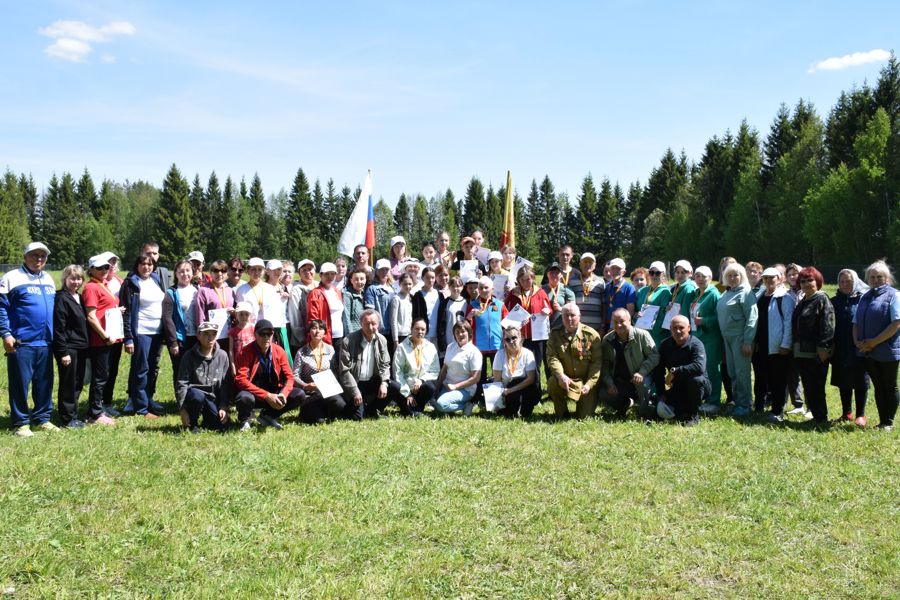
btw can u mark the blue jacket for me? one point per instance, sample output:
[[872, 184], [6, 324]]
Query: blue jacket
[[737, 313], [378, 297], [26, 307], [876, 310], [779, 320]]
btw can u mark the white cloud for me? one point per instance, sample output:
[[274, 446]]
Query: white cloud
[[74, 38], [836, 63], [108, 59]]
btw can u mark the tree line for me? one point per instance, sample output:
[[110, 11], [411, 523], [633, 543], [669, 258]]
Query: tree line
[[813, 191]]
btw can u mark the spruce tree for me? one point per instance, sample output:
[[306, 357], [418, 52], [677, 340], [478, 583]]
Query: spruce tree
[[420, 231], [549, 222], [32, 206], [605, 223], [474, 212], [586, 217], [175, 229], [13, 224], [256, 213], [403, 220], [300, 220], [208, 216], [384, 230], [62, 220], [493, 216]]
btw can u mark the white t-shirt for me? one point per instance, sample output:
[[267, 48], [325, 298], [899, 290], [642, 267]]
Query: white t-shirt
[[453, 308], [432, 304], [150, 307], [524, 363], [262, 298], [336, 308], [461, 363], [186, 296]]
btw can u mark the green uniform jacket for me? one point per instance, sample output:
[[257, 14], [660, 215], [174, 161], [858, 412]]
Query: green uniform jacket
[[708, 331], [576, 356], [660, 297], [683, 296], [641, 354]]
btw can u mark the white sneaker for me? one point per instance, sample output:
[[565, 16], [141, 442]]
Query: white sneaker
[[808, 416], [468, 408], [797, 410], [23, 431], [246, 426]]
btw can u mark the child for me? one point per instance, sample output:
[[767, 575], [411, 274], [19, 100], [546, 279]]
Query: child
[[241, 333]]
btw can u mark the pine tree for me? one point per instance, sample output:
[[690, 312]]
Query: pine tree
[[549, 222], [323, 226], [451, 218], [330, 209], [175, 228], [605, 220], [13, 224], [781, 138], [256, 213], [300, 220], [474, 211], [847, 119], [208, 214], [62, 220], [33, 206], [230, 239], [586, 217], [493, 216], [384, 218], [420, 231], [403, 219]]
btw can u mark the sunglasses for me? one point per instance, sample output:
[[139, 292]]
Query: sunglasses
[[654, 273], [236, 270], [103, 268], [219, 270], [511, 339], [266, 333]]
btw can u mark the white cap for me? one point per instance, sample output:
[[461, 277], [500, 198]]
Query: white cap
[[589, 255], [207, 326], [617, 262], [771, 272], [382, 263], [397, 239], [485, 280], [328, 267], [244, 307], [684, 265], [98, 261], [305, 262], [704, 270], [494, 254], [657, 265], [274, 264], [196, 255], [35, 246], [107, 256], [256, 262], [410, 262], [467, 279]]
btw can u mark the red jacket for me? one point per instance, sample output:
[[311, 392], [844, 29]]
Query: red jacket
[[247, 362], [317, 308], [539, 301]]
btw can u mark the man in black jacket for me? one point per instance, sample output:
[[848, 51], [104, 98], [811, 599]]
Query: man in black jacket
[[687, 383]]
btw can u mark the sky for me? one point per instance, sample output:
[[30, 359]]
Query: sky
[[426, 95]]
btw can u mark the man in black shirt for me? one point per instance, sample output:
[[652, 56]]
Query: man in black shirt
[[687, 383]]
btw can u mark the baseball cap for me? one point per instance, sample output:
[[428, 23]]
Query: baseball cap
[[245, 307], [207, 326], [263, 325], [617, 262], [382, 263], [256, 262], [328, 267], [274, 264], [196, 255], [397, 239], [305, 262], [35, 246], [685, 265]]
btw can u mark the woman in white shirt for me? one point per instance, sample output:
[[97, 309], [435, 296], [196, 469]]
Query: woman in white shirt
[[460, 374], [416, 370], [179, 315], [452, 309], [518, 373], [401, 313], [258, 293]]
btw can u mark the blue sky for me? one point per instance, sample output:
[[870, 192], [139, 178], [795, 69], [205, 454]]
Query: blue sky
[[425, 94]]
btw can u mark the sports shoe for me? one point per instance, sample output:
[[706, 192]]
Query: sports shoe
[[709, 408], [194, 429], [797, 410], [151, 416], [808, 415], [847, 417], [157, 408], [773, 418], [103, 419], [692, 422], [885, 428], [23, 431], [110, 411], [74, 424], [245, 426], [468, 408], [861, 421], [48, 426], [269, 421], [740, 411]]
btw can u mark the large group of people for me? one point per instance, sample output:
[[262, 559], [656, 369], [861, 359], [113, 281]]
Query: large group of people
[[452, 332]]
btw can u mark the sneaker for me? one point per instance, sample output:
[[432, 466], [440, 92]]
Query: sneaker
[[886, 428], [103, 419], [468, 408], [194, 429], [23, 431], [692, 422], [157, 408], [709, 408], [74, 424], [847, 417], [128, 409], [740, 411], [111, 412], [797, 410], [808, 415], [775, 419], [48, 426], [245, 426], [861, 421], [269, 421], [151, 416]]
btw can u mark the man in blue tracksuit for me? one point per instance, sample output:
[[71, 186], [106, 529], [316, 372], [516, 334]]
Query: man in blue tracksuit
[[26, 325]]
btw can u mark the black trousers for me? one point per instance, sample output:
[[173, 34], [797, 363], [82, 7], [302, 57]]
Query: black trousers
[[102, 381], [775, 375], [813, 373], [537, 348], [71, 381], [372, 405], [198, 403], [112, 372], [316, 409], [420, 398], [183, 347], [759, 360], [887, 395], [246, 402], [853, 381], [523, 400], [686, 396]]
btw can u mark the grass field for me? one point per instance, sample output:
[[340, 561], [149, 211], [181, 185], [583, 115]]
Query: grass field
[[452, 508]]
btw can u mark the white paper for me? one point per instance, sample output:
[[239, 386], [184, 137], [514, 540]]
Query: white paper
[[115, 328], [482, 255], [515, 318], [648, 316], [695, 310], [327, 384], [493, 396], [500, 286], [220, 317], [540, 327], [520, 262], [672, 312], [275, 310], [468, 268]]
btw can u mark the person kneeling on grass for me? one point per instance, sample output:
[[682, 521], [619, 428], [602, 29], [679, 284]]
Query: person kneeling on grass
[[518, 373], [264, 380], [629, 356], [687, 385], [573, 354], [203, 385]]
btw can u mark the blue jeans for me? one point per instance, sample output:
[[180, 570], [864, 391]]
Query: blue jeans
[[144, 369], [449, 402], [30, 366]]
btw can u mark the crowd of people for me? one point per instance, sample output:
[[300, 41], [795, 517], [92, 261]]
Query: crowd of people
[[453, 332]]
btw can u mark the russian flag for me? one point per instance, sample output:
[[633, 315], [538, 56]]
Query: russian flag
[[360, 228]]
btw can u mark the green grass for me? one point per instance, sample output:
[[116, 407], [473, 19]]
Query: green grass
[[453, 508]]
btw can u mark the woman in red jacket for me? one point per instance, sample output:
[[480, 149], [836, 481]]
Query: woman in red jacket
[[533, 299], [326, 303]]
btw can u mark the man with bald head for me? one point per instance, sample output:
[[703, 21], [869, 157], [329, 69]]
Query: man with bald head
[[573, 356], [629, 356], [687, 384]]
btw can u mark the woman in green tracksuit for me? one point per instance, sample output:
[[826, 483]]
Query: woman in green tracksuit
[[684, 287], [705, 325], [656, 293]]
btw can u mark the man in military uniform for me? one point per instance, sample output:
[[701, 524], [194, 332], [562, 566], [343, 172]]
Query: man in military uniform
[[573, 354]]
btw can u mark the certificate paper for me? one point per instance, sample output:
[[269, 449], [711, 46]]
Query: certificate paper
[[493, 396], [695, 310], [220, 317], [515, 318], [482, 255], [671, 313], [468, 270], [648, 317], [327, 384], [500, 286], [520, 262], [115, 328], [540, 327]]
